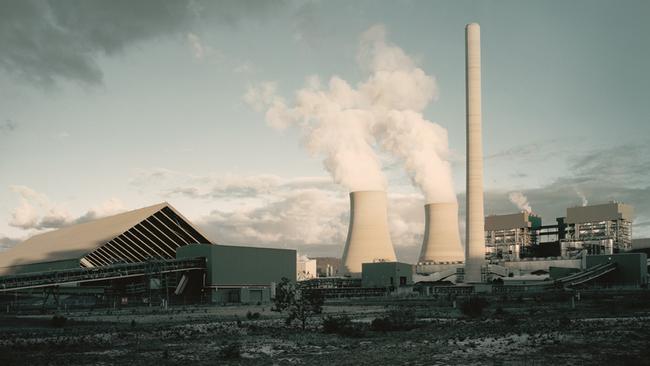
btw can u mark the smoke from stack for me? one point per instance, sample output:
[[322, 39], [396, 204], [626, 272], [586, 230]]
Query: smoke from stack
[[368, 238], [344, 123], [521, 201], [441, 235], [582, 197]]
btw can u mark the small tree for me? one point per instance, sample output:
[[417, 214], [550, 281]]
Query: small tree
[[299, 304]]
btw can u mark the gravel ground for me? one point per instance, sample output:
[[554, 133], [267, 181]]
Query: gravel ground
[[529, 334]]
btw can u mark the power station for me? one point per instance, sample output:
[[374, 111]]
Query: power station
[[156, 250]]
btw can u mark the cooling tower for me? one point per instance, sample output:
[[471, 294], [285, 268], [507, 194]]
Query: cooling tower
[[441, 236], [368, 237], [475, 234]]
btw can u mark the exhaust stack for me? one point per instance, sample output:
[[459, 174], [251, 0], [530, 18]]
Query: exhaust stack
[[368, 236], [441, 234], [475, 234]]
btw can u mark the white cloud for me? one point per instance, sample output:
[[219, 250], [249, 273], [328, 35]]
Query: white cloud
[[198, 51], [37, 212], [245, 67]]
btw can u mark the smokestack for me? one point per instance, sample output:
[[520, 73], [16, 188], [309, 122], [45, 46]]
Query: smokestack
[[475, 238], [441, 236], [368, 237]]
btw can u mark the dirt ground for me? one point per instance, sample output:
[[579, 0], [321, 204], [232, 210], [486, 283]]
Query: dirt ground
[[597, 331]]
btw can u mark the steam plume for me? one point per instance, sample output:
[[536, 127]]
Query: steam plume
[[345, 124], [582, 196], [520, 200]]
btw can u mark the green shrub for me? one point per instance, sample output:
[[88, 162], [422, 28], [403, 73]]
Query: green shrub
[[564, 321], [400, 319], [231, 351], [58, 321], [341, 325], [252, 316], [474, 306]]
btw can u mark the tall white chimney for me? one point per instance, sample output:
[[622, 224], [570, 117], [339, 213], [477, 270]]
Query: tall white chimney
[[441, 234], [368, 236], [475, 234]]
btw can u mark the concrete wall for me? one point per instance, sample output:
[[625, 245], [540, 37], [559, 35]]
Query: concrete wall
[[386, 274]]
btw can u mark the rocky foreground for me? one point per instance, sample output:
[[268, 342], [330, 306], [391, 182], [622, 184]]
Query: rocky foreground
[[533, 334]]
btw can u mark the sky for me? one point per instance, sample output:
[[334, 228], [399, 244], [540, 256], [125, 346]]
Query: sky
[[107, 106]]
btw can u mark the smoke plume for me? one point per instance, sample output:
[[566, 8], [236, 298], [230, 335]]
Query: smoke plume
[[346, 124], [582, 196], [520, 200]]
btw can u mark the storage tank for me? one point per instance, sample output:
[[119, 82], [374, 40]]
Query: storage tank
[[368, 236]]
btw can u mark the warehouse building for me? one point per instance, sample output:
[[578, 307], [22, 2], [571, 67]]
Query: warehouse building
[[153, 232], [136, 256], [237, 274], [389, 275]]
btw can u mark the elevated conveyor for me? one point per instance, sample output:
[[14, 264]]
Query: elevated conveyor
[[587, 275], [82, 275]]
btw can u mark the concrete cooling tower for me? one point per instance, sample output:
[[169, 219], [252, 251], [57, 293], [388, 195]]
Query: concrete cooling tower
[[368, 236], [441, 234]]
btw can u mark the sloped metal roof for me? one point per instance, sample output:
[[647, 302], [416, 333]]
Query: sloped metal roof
[[152, 232]]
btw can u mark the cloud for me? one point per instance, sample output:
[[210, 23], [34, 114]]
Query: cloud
[[7, 126], [198, 51], [617, 173], [300, 217], [45, 42], [37, 212], [245, 67], [174, 183], [7, 242]]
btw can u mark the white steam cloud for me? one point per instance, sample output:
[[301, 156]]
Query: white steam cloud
[[345, 123], [520, 200]]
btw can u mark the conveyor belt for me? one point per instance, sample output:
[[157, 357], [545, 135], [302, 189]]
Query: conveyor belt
[[79, 275]]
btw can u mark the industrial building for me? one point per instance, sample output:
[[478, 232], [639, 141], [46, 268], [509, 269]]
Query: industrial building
[[389, 275], [596, 229], [506, 236], [237, 274], [306, 268], [131, 256]]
